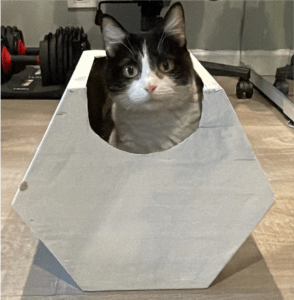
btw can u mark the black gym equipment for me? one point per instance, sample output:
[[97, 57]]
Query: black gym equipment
[[57, 55], [45, 63], [60, 46], [15, 41], [28, 85]]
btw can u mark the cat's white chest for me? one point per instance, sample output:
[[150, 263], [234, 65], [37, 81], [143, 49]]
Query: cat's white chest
[[154, 130]]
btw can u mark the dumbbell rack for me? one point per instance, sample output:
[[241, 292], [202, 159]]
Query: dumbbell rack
[[28, 85], [39, 73]]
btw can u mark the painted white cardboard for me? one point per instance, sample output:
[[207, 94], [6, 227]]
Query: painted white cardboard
[[122, 221]]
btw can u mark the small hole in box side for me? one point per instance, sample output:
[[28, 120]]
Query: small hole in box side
[[23, 186]]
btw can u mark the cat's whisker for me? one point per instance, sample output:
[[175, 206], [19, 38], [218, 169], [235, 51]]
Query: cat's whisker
[[131, 46], [160, 42], [124, 45], [128, 48]]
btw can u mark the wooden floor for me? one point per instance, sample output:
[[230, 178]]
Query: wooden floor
[[263, 268]]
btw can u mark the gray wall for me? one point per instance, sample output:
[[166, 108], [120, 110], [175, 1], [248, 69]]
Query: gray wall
[[268, 25], [210, 25]]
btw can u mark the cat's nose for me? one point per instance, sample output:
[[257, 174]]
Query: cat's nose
[[151, 88]]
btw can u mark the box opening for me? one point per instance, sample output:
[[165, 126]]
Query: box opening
[[99, 105]]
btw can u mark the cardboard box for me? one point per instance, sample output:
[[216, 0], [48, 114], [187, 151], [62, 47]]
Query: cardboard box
[[123, 221]]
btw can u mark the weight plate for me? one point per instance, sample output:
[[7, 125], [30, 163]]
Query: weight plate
[[65, 53], [4, 77], [59, 31], [21, 36], [77, 35], [15, 38], [84, 37], [70, 53], [76, 45], [88, 46], [8, 29], [53, 60], [1, 72], [72, 30], [83, 46], [79, 50], [5, 62], [9, 37], [60, 58], [3, 32], [46, 38], [4, 42], [45, 61]]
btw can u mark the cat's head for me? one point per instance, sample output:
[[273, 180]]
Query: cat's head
[[152, 71]]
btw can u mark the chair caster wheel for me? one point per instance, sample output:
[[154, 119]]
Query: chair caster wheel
[[282, 85], [244, 87]]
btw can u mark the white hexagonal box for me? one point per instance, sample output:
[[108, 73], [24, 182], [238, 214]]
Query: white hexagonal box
[[123, 221]]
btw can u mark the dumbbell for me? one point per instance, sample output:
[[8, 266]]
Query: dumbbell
[[8, 59], [15, 41], [7, 34], [46, 59], [57, 48], [23, 50], [69, 44], [58, 55]]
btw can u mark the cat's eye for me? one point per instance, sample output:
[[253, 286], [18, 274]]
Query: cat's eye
[[130, 71], [166, 66]]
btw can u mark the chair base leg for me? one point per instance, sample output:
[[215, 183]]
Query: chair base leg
[[244, 87]]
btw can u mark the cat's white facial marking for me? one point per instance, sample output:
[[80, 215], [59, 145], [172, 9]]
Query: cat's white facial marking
[[148, 77], [142, 90]]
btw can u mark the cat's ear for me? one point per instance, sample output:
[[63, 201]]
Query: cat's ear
[[174, 23], [113, 34]]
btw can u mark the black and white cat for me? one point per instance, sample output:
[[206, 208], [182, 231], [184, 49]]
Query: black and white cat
[[155, 90]]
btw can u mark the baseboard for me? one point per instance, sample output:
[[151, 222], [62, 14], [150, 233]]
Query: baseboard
[[266, 62], [263, 62], [220, 56]]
